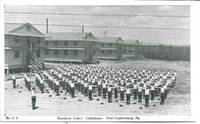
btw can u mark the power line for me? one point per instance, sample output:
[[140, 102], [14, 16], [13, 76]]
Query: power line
[[93, 26], [86, 14]]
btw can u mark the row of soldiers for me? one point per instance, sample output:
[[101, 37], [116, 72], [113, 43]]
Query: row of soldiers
[[107, 81]]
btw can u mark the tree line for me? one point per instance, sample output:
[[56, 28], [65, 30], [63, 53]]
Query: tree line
[[165, 52]]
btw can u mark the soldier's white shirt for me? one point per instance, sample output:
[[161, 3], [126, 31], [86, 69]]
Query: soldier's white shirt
[[41, 81], [90, 87], [109, 89], [33, 93], [104, 85], [146, 92], [128, 91], [13, 77], [85, 84], [28, 79], [57, 82], [152, 88], [99, 82], [162, 90], [121, 88], [135, 86], [72, 85], [139, 89]]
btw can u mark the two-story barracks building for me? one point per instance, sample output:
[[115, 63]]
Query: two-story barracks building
[[25, 42]]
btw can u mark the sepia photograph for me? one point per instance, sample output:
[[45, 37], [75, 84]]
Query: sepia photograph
[[96, 63]]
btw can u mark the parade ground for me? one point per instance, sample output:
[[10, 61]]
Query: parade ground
[[18, 101]]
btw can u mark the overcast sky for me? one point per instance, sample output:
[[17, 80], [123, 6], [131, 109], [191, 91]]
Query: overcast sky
[[143, 35]]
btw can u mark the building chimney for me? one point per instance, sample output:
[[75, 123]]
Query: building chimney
[[105, 34], [82, 28], [47, 25]]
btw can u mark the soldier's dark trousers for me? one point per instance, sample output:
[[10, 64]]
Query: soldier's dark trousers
[[54, 87], [29, 85], [162, 97], [127, 98], [99, 90], [72, 93], [85, 91], [90, 94], [25, 82], [140, 97], [152, 95], [104, 93], [135, 94], [14, 83], [33, 99], [57, 90], [42, 88], [109, 96], [116, 93], [79, 87], [146, 100], [122, 95]]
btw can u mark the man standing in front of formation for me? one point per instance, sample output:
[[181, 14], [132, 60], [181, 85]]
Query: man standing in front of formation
[[33, 98], [14, 80]]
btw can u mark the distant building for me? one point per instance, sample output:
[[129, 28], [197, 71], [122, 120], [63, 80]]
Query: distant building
[[21, 45], [130, 49], [109, 48], [68, 47], [27, 48]]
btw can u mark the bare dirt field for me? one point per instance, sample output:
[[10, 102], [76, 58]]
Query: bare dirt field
[[178, 102]]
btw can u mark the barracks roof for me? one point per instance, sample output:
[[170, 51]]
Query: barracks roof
[[70, 36], [109, 39], [131, 41], [23, 30]]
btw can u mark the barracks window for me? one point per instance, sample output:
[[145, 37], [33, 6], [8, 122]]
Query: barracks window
[[38, 40], [75, 43], [56, 52], [16, 54], [102, 51], [56, 43], [46, 52], [66, 43], [65, 52], [110, 44], [38, 53], [46, 43], [75, 52], [16, 40], [110, 51]]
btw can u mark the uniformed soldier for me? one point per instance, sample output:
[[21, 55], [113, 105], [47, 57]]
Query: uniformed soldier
[[162, 95], [109, 94], [90, 92], [33, 98], [121, 93], [57, 87], [29, 83], [152, 92], [85, 89], [135, 90], [99, 88], [104, 90], [146, 97], [140, 94], [72, 89], [41, 85], [25, 80], [116, 90], [128, 94], [14, 80]]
